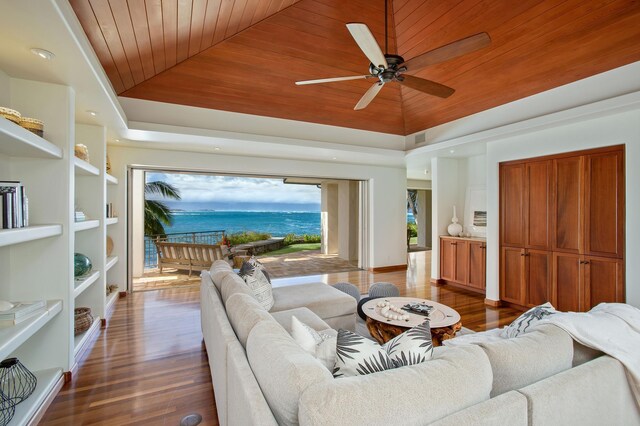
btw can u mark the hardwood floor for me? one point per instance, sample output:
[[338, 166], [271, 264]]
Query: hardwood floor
[[149, 366]]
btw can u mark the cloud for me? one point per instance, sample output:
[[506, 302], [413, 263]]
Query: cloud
[[235, 189]]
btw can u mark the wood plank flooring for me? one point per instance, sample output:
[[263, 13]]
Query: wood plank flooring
[[149, 366]]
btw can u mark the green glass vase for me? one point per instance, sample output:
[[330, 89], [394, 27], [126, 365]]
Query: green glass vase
[[81, 265]]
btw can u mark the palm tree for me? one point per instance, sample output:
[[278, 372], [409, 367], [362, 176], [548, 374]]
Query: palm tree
[[156, 213]]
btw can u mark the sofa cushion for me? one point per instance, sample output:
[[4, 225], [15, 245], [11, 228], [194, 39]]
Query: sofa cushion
[[528, 358], [320, 344], [357, 355], [244, 313], [283, 369], [304, 315], [527, 321], [232, 284], [594, 393], [219, 269], [324, 300], [582, 354], [454, 379], [507, 409]]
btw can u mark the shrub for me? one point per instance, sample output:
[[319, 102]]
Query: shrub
[[413, 228], [310, 238], [289, 239], [247, 237], [297, 239]]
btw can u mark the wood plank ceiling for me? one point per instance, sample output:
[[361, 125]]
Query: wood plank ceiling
[[245, 55]]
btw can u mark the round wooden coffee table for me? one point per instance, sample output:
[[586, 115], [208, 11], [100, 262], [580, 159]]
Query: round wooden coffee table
[[444, 321]]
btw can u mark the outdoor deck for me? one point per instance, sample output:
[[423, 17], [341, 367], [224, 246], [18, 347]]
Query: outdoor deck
[[281, 266]]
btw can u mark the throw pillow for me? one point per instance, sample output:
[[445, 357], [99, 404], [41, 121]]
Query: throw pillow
[[527, 321], [258, 283], [357, 356], [320, 344], [248, 266]]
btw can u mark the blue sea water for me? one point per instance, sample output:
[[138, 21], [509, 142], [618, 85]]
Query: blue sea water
[[278, 224]]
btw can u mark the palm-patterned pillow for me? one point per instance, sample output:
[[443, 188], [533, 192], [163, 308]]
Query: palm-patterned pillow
[[527, 321], [260, 286], [357, 356], [248, 267]]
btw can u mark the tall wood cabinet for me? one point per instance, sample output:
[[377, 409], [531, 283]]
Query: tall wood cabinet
[[463, 262], [562, 229]]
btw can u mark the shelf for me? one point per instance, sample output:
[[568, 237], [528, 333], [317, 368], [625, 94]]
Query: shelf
[[112, 220], [30, 233], [48, 381], [84, 168], [82, 285], [12, 336], [111, 300], [80, 341], [87, 224], [111, 261], [18, 142], [112, 180]]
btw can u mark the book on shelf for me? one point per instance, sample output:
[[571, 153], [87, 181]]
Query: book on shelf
[[14, 205], [18, 320], [80, 216], [22, 309]]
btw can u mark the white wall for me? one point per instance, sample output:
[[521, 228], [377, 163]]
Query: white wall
[[5, 94], [387, 187], [615, 129], [445, 174]]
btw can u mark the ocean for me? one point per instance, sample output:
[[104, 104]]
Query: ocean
[[278, 224]]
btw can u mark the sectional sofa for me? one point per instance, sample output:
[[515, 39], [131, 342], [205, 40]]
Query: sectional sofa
[[261, 376]]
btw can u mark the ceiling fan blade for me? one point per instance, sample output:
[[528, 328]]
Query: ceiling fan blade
[[331, 80], [426, 86], [367, 43], [368, 96], [449, 51]]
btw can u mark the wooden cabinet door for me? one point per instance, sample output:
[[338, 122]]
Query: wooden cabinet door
[[604, 204], [447, 259], [537, 205], [566, 287], [567, 223], [477, 264], [512, 183], [461, 249], [512, 275], [603, 281], [538, 264]]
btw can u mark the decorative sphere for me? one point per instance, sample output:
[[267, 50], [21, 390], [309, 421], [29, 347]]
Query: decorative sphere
[[81, 265]]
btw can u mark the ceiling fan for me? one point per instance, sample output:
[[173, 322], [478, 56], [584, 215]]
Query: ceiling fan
[[386, 68]]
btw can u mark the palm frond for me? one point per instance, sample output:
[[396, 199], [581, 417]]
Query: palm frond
[[374, 364], [421, 333], [164, 189], [345, 343]]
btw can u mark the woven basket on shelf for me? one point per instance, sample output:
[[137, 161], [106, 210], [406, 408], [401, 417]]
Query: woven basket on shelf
[[33, 125], [10, 114], [82, 320]]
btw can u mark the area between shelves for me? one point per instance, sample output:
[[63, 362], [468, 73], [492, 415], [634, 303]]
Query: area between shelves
[[18, 142], [82, 285], [30, 233], [84, 168], [111, 300], [12, 336], [111, 220], [111, 261], [87, 224], [48, 380], [81, 339]]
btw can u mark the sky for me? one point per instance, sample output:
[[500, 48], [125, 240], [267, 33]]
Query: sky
[[201, 192]]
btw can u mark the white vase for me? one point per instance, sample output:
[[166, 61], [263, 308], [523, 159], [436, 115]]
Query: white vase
[[454, 229]]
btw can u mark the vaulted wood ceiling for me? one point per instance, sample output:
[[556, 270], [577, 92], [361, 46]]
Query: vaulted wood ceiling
[[245, 55]]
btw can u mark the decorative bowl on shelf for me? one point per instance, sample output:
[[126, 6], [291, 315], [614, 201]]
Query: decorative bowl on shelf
[[109, 246], [82, 320], [81, 265], [33, 125], [10, 114], [17, 383]]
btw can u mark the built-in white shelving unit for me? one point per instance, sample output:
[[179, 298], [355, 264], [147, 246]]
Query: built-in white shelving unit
[[11, 337], [84, 168], [81, 340], [112, 220], [47, 382], [111, 261], [111, 300], [18, 142], [82, 284], [84, 225], [111, 180], [31, 233]]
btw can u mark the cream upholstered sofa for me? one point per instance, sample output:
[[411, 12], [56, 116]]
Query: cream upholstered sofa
[[262, 377]]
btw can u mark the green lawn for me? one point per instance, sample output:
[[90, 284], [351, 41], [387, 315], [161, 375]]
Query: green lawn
[[293, 248], [414, 240]]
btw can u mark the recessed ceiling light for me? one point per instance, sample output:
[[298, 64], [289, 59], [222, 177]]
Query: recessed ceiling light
[[92, 113], [44, 54], [452, 151], [217, 148], [117, 140], [334, 158]]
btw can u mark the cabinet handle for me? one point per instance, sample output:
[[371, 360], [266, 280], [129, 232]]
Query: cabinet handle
[[483, 247], [584, 262]]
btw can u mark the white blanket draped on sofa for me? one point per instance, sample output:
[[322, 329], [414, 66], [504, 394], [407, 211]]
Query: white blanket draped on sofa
[[613, 328]]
